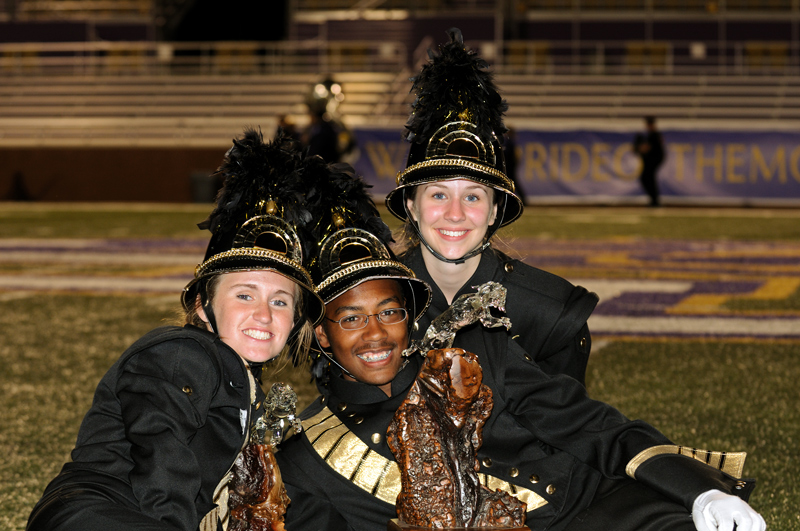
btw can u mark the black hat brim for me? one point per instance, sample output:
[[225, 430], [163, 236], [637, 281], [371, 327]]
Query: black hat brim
[[350, 277], [452, 170], [254, 259]]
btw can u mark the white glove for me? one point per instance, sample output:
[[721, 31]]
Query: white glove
[[714, 510]]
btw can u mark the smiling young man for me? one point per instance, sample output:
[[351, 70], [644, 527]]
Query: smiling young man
[[339, 472], [578, 464], [369, 326], [572, 460]]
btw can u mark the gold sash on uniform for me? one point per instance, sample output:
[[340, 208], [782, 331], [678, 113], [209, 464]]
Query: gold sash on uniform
[[349, 456]]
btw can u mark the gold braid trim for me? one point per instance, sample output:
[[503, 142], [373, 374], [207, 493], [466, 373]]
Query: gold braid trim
[[732, 463], [364, 265], [434, 163], [252, 252], [349, 456]]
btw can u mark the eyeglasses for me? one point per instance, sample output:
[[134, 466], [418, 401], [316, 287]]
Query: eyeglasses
[[357, 321]]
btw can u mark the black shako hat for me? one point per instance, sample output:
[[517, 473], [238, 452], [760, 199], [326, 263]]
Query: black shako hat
[[455, 129], [260, 211], [354, 241], [353, 248]]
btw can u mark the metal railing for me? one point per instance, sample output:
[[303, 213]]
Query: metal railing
[[405, 5], [751, 58], [520, 6], [694, 6], [199, 58]]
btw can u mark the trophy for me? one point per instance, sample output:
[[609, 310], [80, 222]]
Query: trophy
[[437, 431], [257, 499]]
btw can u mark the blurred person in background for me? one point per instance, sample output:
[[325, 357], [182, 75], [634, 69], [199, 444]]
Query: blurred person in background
[[321, 137], [326, 134], [289, 128], [650, 148]]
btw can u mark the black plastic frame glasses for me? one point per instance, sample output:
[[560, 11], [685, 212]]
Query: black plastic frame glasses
[[357, 321]]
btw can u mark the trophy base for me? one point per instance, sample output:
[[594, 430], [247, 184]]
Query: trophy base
[[396, 525]]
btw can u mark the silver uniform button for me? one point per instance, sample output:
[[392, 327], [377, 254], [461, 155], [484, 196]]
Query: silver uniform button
[[487, 462], [376, 438], [534, 478], [513, 472], [550, 489]]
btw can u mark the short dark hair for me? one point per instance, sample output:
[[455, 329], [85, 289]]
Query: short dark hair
[[650, 120]]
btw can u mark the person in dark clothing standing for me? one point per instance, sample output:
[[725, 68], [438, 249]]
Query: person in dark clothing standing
[[321, 137], [650, 147]]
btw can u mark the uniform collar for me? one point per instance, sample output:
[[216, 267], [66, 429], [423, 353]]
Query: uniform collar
[[489, 268], [361, 393]]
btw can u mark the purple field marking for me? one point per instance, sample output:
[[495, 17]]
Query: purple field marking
[[724, 268]]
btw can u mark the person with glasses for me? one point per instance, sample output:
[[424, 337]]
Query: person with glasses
[[372, 302], [577, 463], [369, 345]]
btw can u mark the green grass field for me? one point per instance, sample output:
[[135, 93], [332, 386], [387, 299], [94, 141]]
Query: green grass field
[[720, 395]]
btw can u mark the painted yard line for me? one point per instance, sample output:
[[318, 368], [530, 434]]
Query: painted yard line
[[733, 326], [608, 289], [77, 243]]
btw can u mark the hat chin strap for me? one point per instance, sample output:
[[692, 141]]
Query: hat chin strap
[[207, 309], [478, 250], [330, 359]]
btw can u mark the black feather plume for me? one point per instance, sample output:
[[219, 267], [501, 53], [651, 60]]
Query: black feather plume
[[253, 172], [339, 190], [455, 85]]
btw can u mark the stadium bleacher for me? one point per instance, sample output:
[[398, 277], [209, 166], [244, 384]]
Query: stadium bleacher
[[91, 73]]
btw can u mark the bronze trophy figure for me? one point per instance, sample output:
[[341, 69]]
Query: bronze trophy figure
[[436, 432], [257, 500]]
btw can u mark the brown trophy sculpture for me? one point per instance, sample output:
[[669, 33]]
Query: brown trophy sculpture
[[257, 499], [437, 431]]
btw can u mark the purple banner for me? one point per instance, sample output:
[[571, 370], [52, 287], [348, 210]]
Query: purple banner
[[699, 164], [382, 153]]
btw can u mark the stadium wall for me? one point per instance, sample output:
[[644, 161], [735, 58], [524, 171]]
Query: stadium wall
[[108, 174], [579, 166]]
